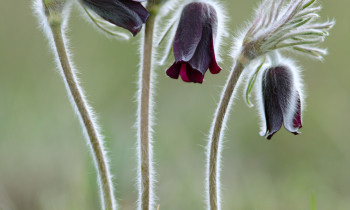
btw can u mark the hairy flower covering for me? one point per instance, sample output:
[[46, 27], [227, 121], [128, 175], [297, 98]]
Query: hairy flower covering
[[128, 14], [281, 100], [193, 45], [278, 26], [292, 26]]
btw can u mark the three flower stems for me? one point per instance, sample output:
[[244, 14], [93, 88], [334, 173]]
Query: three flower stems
[[94, 138]]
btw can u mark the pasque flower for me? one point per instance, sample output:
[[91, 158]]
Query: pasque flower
[[193, 45], [281, 100], [128, 14]]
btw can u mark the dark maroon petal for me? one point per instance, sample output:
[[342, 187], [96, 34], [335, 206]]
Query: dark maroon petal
[[214, 67], [138, 9], [174, 71], [281, 100], [194, 42], [288, 97], [297, 116], [183, 73], [194, 75], [124, 13], [189, 32], [202, 57], [295, 123], [273, 112]]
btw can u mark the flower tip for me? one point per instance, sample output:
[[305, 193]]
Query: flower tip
[[186, 72], [214, 68], [129, 14], [296, 133], [135, 30]]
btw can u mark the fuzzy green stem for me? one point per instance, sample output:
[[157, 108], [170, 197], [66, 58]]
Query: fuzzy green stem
[[144, 126], [214, 151], [88, 123]]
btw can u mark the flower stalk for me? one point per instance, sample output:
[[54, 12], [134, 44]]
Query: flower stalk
[[214, 143], [145, 113], [54, 15], [88, 123]]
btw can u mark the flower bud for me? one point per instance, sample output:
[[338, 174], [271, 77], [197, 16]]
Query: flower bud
[[128, 14], [193, 45], [281, 100]]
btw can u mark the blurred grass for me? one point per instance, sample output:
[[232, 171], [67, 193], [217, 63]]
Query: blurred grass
[[44, 162]]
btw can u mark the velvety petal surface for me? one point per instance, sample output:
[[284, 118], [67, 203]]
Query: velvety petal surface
[[194, 43], [187, 73], [127, 14], [213, 67], [183, 73], [272, 109], [281, 101], [202, 57], [293, 124], [194, 75], [174, 71], [189, 32]]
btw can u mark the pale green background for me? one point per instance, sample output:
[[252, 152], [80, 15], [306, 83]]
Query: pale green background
[[45, 164]]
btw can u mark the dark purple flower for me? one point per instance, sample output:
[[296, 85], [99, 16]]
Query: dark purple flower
[[282, 103], [128, 14], [194, 43]]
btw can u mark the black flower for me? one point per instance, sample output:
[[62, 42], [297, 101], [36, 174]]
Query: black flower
[[194, 43], [128, 14], [281, 101]]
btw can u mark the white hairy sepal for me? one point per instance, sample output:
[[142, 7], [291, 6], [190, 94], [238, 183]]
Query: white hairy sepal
[[289, 26], [166, 29], [39, 11], [298, 88]]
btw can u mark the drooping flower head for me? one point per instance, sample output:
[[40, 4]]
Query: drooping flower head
[[281, 100], [279, 26], [128, 14], [193, 44]]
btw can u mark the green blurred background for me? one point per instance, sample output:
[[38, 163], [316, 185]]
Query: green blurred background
[[45, 163]]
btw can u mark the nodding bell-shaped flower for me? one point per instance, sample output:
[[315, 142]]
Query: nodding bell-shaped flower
[[128, 14], [281, 100], [194, 43]]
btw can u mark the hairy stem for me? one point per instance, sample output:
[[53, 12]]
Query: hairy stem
[[144, 122], [94, 138], [214, 143]]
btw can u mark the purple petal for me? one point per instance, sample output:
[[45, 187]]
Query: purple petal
[[183, 73], [273, 112], [174, 71], [280, 106], [214, 67], [138, 9], [202, 57], [297, 116], [187, 73], [124, 13], [194, 75], [189, 32], [294, 124]]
